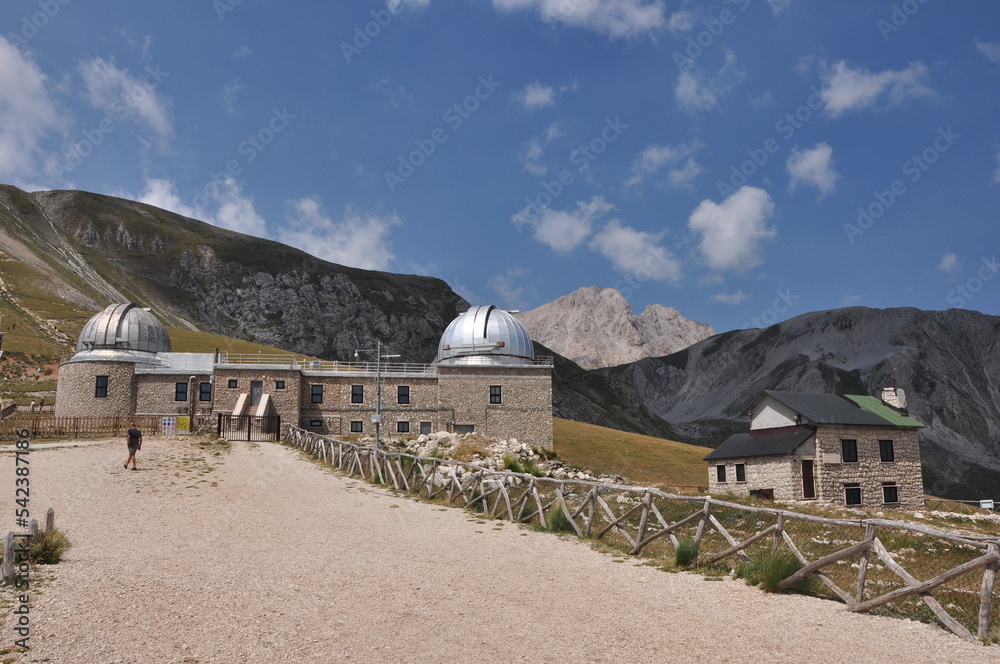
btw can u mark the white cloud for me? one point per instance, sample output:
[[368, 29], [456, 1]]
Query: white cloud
[[636, 253], [739, 297], [509, 287], [733, 230], [778, 6], [231, 94], [989, 50], [356, 240], [762, 100], [655, 158], [531, 157], [536, 96], [564, 231], [695, 91], [846, 89], [122, 95], [681, 21], [949, 263], [27, 114], [813, 166], [242, 52], [232, 209], [615, 18]]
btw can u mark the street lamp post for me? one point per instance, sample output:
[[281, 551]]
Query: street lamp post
[[377, 418]]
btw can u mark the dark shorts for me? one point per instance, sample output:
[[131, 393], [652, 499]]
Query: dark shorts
[[133, 448]]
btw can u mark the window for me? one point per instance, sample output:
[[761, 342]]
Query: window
[[720, 474], [357, 426], [465, 428], [402, 427], [890, 493], [403, 394], [849, 450], [425, 427], [315, 423], [205, 392], [279, 384], [886, 451], [852, 494], [233, 383], [101, 387], [316, 395], [181, 391], [357, 393], [496, 394], [741, 472]]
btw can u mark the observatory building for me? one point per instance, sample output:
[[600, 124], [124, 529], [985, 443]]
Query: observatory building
[[485, 380]]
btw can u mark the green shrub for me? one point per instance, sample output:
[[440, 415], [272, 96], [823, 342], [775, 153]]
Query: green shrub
[[685, 553], [557, 521], [511, 463], [768, 569], [49, 547]]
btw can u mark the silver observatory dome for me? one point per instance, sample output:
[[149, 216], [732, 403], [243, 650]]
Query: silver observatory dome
[[124, 332], [485, 335]]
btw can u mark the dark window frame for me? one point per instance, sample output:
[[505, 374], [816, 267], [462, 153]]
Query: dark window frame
[[357, 393], [741, 472], [316, 393], [849, 450], [893, 489], [315, 423], [403, 394], [402, 426], [887, 451], [205, 391], [181, 391], [233, 383], [101, 386], [279, 384], [496, 394], [850, 491], [720, 473], [357, 426]]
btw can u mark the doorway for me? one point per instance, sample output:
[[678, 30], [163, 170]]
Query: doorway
[[808, 482], [256, 392]]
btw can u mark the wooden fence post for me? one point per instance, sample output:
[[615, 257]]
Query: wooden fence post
[[863, 565], [986, 595], [50, 520], [7, 569], [33, 530]]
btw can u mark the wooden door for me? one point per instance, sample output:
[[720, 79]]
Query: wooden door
[[808, 482]]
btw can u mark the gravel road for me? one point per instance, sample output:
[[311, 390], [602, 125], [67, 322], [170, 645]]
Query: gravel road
[[255, 554]]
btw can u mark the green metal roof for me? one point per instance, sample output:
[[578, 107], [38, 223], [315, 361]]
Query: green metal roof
[[875, 405]]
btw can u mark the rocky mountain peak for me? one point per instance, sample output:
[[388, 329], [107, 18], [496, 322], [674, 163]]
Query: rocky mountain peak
[[596, 327]]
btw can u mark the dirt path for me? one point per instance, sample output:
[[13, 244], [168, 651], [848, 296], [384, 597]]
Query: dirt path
[[257, 555]]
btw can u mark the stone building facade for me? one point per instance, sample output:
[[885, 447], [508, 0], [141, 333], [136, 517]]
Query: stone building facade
[[485, 380], [844, 450]]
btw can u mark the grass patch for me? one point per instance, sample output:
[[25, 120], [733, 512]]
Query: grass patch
[[524, 466], [644, 460], [49, 547], [685, 553], [768, 569]]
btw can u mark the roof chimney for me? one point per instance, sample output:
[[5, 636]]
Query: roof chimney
[[894, 396]]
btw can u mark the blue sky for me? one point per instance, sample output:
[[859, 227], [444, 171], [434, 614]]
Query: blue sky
[[743, 161]]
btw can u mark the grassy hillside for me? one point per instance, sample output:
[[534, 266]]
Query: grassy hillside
[[640, 459], [189, 341]]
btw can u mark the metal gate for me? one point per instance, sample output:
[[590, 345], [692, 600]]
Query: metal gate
[[253, 428]]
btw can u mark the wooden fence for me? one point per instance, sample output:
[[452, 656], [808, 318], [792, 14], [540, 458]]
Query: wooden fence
[[868, 564], [76, 427]]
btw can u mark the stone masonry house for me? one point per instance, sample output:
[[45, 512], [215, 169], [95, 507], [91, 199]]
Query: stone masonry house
[[485, 379], [844, 450]]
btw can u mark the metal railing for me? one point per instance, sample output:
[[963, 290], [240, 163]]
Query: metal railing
[[294, 362]]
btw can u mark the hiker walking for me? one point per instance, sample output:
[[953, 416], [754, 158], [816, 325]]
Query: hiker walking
[[133, 438]]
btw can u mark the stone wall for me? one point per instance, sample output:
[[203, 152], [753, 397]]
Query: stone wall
[[76, 388], [869, 471], [782, 474], [285, 399], [155, 394]]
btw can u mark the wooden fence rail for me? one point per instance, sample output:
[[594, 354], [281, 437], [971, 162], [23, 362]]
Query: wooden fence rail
[[76, 427], [850, 557]]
